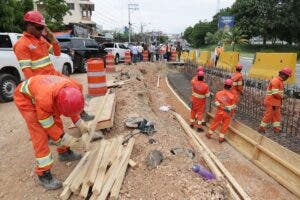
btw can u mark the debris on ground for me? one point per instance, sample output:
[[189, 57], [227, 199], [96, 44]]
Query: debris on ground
[[165, 108], [154, 159], [181, 150]]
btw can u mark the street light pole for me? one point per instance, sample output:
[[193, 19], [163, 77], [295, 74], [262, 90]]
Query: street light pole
[[131, 6]]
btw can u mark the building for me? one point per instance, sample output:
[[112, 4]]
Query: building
[[81, 13]]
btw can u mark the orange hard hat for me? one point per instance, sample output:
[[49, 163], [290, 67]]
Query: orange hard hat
[[35, 17], [239, 66], [70, 101], [228, 82], [200, 73], [200, 68], [287, 71]]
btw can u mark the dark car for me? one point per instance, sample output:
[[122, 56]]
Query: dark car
[[81, 49]]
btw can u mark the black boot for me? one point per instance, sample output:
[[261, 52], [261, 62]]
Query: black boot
[[86, 117], [48, 181], [69, 155], [200, 129], [203, 123]]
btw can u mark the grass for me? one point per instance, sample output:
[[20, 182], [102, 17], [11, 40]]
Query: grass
[[250, 50]]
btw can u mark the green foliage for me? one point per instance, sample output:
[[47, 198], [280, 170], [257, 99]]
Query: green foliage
[[8, 17], [162, 39], [54, 12], [120, 37], [234, 37]]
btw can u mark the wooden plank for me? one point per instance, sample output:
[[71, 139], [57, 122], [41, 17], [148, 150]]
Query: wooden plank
[[214, 159], [132, 164], [84, 190], [66, 193], [158, 80], [107, 120], [116, 167], [76, 169]]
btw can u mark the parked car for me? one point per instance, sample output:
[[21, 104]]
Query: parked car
[[10, 71], [117, 49], [81, 49]]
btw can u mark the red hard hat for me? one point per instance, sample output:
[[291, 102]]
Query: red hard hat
[[228, 82], [239, 66], [70, 101], [287, 71], [200, 68], [200, 73], [34, 16]]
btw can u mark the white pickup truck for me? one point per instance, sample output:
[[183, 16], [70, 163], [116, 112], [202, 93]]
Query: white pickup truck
[[10, 71], [118, 50]]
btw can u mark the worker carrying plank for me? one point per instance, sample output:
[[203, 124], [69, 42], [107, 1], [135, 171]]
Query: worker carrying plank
[[41, 100], [200, 92], [225, 101], [273, 101], [237, 81], [32, 49]]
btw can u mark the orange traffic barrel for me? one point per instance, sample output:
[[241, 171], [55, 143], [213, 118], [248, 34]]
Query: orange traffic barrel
[[96, 77], [145, 56], [173, 56], [127, 57], [110, 63]]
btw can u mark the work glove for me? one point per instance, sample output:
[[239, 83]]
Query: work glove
[[82, 126], [227, 110], [190, 104], [66, 140]]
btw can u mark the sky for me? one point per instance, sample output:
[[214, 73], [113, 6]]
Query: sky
[[169, 16]]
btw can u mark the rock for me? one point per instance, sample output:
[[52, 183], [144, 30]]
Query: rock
[[181, 150], [133, 121], [154, 159]]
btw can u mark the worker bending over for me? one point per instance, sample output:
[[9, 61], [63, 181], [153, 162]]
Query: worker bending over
[[32, 49], [200, 92], [199, 68], [225, 101], [273, 101], [41, 100]]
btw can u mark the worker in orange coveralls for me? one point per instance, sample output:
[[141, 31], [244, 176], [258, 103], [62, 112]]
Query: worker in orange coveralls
[[41, 100], [237, 78], [200, 92], [273, 101], [225, 101], [32, 49], [200, 68]]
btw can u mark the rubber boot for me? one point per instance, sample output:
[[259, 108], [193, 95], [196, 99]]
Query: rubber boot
[[221, 140], [208, 135], [277, 130], [192, 125], [86, 117], [262, 131], [69, 155], [200, 130], [203, 123], [48, 181]]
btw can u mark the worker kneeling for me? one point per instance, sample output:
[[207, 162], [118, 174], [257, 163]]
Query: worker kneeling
[[41, 100], [225, 101], [200, 92]]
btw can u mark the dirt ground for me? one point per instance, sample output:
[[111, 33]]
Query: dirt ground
[[173, 179]]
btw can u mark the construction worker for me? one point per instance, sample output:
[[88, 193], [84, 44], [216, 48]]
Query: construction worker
[[32, 49], [225, 101], [199, 68], [41, 100], [273, 101], [237, 81], [200, 92], [218, 50]]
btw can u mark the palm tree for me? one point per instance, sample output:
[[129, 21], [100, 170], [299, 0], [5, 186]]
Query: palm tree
[[235, 36]]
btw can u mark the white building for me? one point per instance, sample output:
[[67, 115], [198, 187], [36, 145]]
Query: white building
[[81, 12]]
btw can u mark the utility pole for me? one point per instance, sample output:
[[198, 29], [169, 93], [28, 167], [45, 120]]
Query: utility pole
[[131, 6]]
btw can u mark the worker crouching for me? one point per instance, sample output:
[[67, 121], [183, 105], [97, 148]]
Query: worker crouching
[[225, 101], [41, 100], [200, 92], [273, 101]]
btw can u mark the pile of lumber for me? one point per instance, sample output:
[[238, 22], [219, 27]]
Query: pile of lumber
[[100, 172]]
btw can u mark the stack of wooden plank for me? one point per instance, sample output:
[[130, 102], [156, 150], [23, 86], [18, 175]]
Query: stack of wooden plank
[[100, 172]]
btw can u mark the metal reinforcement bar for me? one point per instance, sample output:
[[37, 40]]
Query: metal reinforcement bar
[[277, 161]]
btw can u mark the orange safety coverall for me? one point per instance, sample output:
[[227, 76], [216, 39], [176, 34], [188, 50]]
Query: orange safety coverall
[[224, 99], [237, 79], [200, 92], [33, 55], [35, 99], [273, 102]]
